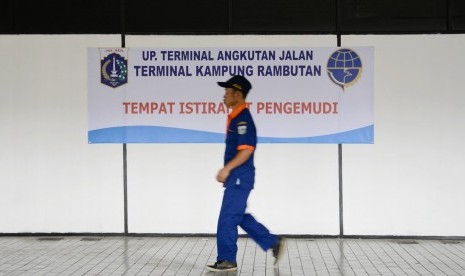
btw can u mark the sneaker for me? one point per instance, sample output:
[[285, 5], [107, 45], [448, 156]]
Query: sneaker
[[222, 266], [278, 250]]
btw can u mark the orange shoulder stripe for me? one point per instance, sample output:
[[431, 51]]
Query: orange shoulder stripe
[[242, 147]]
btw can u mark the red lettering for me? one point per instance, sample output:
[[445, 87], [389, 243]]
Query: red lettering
[[126, 108], [296, 108], [148, 107]]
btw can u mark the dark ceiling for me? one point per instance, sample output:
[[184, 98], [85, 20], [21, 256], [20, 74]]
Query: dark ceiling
[[231, 16]]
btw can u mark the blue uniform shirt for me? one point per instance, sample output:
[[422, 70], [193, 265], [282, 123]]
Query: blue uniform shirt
[[240, 134]]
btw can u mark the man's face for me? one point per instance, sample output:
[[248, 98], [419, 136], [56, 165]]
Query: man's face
[[231, 97]]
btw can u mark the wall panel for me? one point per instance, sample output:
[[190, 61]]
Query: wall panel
[[173, 188], [52, 180], [410, 181]]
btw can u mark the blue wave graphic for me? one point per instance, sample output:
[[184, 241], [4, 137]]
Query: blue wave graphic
[[153, 134], [364, 135], [157, 134]]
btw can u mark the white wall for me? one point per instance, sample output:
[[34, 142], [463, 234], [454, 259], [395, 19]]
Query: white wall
[[407, 183], [51, 180], [410, 182]]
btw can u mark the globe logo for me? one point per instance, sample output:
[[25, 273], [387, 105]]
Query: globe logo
[[344, 67]]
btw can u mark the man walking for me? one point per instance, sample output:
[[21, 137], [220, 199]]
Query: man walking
[[238, 176]]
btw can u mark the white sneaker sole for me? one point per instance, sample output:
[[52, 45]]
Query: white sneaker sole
[[220, 270]]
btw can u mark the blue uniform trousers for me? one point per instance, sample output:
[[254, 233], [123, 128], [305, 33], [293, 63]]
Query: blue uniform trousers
[[233, 214]]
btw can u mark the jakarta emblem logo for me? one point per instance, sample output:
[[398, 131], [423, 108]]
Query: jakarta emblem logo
[[344, 67], [113, 67]]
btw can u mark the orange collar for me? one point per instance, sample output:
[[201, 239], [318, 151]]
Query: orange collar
[[236, 111]]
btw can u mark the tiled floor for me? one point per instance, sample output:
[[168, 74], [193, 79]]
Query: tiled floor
[[188, 256]]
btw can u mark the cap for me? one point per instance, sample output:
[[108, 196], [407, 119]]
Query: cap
[[237, 82]]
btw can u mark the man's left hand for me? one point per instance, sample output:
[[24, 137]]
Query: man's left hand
[[222, 175]]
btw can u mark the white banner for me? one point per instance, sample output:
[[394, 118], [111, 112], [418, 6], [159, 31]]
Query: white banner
[[167, 95]]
